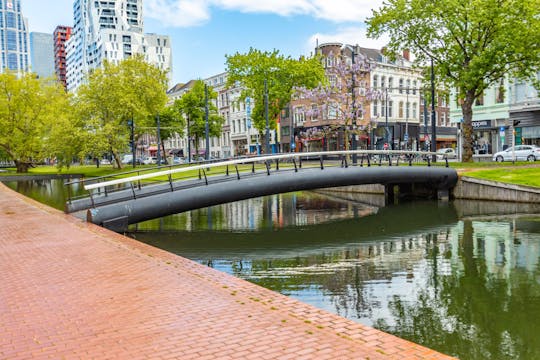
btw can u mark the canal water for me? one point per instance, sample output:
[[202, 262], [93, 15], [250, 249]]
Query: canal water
[[462, 278]]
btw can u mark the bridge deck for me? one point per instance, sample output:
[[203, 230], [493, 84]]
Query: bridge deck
[[75, 290]]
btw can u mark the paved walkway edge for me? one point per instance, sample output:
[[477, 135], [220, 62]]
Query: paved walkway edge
[[248, 321]]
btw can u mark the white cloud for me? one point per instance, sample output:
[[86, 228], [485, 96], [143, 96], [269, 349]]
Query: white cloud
[[185, 13], [178, 13], [349, 35]]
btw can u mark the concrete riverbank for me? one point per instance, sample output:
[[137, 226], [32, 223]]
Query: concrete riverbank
[[74, 290]]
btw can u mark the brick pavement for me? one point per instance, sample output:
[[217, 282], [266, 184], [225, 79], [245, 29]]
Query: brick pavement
[[77, 291]]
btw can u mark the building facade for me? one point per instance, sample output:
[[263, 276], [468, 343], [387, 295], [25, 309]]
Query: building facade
[[490, 115], [14, 39], [390, 108], [111, 31], [42, 54], [524, 112], [60, 36]]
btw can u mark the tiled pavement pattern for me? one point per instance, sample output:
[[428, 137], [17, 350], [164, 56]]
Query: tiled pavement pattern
[[76, 291]]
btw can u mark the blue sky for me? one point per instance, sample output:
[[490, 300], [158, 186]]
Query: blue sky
[[203, 31]]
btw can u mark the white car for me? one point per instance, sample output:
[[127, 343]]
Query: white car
[[150, 160], [519, 153], [447, 153]]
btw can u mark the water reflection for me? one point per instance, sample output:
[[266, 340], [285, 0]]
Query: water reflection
[[466, 287]]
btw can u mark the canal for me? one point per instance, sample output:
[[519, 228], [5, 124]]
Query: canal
[[461, 278]]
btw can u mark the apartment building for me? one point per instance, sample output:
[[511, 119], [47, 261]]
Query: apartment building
[[60, 36], [14, 37], [111, 30], [388, 93]]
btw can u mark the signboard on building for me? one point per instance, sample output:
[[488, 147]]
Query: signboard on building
[[481, 124]]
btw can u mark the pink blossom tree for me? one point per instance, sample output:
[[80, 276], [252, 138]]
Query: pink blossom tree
[[342, 99]]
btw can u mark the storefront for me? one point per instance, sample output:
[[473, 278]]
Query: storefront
[[484, 136]]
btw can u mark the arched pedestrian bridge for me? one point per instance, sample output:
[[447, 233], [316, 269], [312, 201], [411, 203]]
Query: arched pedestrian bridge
[[152, 193]]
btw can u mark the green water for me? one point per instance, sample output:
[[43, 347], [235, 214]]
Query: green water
[[461, 278]]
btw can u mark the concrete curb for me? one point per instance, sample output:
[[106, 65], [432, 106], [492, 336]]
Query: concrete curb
[[478, 189]]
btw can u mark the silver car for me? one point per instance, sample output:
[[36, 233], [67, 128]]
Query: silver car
[[519, 153]]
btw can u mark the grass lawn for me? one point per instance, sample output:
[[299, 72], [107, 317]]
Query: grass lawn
[[520, 174]]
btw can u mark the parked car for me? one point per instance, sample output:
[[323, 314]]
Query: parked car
[[105, 162], [448, 153], [519, 152], [150, 160], [178, 160]]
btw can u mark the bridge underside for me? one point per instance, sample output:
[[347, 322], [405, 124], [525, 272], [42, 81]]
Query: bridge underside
[[430, 182]]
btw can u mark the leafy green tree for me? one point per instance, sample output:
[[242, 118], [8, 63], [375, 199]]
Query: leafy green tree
[[32, 113], [281, 74], [192, 106], [171, 123], [473, 43], [114, 94]]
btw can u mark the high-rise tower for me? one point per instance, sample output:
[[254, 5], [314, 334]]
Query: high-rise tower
[[61, 35], [14, 42], [42, 54], [110, 30]]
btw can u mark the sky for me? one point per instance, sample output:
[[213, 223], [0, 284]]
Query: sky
[[203, 32]]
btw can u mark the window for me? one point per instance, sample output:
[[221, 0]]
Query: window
[[332, 111], [390, 105], [414, 110], [400, 109], [414, 87], [401, 86], [10, 20], [314, 112], [407, 109], [390, 83], [383, 108], [11, 40], [375, 81], [12, 62], [383, 82], [375, 108]]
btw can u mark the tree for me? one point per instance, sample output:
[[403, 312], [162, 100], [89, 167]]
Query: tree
[[32, 111], [343, 97], [192, 106], [473, 44], [281, 74], [114, 94]]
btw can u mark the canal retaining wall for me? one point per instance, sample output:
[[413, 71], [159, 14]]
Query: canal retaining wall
[[478, 189], [467, 188]]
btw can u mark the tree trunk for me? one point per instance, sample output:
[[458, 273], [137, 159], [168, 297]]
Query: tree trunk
[[467, 129], [22, 167]]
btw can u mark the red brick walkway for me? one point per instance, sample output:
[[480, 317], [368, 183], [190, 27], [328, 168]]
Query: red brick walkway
[[76, 291]]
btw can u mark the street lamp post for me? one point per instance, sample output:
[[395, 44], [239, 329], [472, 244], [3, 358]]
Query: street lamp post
[[387, 132], [267, 136], [158, 142], [206, 129], [433, 124], [353, 120], [188, 141]]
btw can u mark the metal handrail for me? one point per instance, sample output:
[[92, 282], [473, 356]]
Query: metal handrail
[[319, 155]]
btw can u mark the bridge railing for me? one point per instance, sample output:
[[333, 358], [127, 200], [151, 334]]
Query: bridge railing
[[135, 180]]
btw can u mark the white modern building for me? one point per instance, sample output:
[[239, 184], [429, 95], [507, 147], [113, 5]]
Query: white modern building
[[111, 30], [14, 40], [42, 54]]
